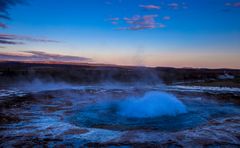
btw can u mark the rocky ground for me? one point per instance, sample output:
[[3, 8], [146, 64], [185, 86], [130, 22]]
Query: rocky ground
[[38, 104], [42, 118]]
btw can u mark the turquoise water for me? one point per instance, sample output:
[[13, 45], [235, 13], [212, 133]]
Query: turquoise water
[[189, 113]]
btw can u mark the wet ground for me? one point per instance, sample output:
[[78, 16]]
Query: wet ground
[[78, 116]]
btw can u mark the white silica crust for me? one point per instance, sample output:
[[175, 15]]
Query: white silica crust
[[152, 104]]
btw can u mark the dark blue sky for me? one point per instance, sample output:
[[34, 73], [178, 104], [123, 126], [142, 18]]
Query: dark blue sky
[[180, 33]]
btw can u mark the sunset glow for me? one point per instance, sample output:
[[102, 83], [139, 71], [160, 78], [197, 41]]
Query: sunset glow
[[182, 33]]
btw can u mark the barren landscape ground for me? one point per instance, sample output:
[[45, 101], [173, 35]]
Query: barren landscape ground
[[104, 106]]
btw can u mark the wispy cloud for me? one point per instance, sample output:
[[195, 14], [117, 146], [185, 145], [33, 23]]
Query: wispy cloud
[[41, 56], [138, 22], [150, 7], [2, 41], [15, 39], [234, 4], [5, 5], [11, 39], [146, 20], [114, 20], [176, 5], [3, 16]]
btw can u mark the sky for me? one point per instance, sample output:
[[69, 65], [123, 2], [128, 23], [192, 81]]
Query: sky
[[169, 33]]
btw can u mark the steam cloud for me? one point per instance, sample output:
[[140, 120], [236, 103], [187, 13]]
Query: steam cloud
[[152, 104]]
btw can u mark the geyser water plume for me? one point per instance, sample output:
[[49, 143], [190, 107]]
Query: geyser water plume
[[152, 104]]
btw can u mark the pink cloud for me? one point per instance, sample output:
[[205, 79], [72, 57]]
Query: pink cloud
[[149, 7], [134, 18], [41, 56], [140, 27], [142, 22]]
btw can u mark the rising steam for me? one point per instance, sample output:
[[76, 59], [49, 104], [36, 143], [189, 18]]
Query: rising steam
[[152, 104]]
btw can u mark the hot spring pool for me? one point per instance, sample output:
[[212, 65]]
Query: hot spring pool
[[153, 111]]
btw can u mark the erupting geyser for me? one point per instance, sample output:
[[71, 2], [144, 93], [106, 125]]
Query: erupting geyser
[[155, 110], [162, 111], [152, 104]]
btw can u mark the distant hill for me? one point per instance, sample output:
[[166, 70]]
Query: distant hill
[[11, 72]]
